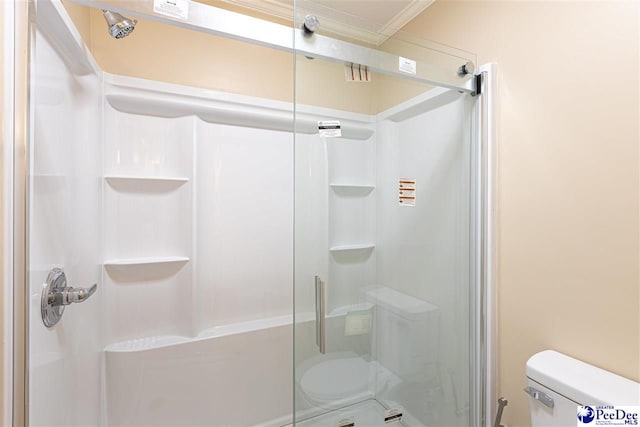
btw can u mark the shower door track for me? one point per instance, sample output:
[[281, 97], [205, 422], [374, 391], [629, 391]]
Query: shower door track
[[440, 70]]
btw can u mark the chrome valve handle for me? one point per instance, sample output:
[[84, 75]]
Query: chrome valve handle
[[70, 295], [56, 294]]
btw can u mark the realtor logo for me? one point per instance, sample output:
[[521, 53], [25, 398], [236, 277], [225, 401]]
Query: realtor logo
[[586, 414], [608, 415]]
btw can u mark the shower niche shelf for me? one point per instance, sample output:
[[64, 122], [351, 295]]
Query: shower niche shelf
[[357, 247]]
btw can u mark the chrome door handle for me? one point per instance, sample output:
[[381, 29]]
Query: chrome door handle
[[540, 396], [56, 295], [321, 337]]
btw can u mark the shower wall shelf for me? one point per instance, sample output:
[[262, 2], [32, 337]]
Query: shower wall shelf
[[362, 186], [124, 179], [353, 188], [359, 247], [144, 270], [116, 178], [147, 343], [144, 262]]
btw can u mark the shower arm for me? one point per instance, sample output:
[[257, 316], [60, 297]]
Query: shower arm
[[441, 70]]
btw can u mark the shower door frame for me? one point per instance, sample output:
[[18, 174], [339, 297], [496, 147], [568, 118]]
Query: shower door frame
[[487, 302], [15, 125], [236, 26], [19, 20]]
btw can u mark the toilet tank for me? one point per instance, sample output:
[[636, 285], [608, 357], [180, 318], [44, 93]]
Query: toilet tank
[[557, 384], [407, 331]]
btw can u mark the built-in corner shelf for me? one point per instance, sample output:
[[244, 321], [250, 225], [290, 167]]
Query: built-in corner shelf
[[355, 189], [144, 183], [143, 269], [344, 248]]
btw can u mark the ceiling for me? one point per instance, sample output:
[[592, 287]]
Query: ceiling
[[368, 21]]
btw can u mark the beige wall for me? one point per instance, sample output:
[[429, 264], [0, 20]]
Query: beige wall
[[568, 176], [160, 52]]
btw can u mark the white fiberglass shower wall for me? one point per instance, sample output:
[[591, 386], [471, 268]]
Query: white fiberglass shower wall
[[65, 227], [200, 214], [161, 195]]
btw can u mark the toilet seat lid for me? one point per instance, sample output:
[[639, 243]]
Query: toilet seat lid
[[337, 378]]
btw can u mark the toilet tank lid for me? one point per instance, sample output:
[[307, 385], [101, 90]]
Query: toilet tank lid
[[399, 303], [583, 383]]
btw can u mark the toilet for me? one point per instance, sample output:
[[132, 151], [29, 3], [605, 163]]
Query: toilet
[[336, 379], [340, 378], [557, 384], [407, 323]]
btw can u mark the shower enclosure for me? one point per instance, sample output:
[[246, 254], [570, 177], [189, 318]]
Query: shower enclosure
[[305, 239]]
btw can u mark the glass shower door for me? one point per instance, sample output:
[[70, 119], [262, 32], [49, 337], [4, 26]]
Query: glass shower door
[[385, 289]]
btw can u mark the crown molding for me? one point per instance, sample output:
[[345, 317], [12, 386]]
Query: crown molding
[[276, 8], [396, 23], [373, 35]]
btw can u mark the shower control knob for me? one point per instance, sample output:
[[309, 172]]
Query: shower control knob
[[70, 295], [56, 295], [467, 68], [311, 24]]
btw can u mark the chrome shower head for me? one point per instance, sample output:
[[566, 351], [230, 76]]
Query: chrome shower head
[[119, 26]]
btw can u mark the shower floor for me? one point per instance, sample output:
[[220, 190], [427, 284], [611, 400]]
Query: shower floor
[[369, 413]]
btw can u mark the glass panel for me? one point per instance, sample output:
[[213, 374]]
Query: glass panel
[[384, 244]]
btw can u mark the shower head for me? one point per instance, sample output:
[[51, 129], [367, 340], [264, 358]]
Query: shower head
[[119, 26]]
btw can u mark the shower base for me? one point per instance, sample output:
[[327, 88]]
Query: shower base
[[369, 413]]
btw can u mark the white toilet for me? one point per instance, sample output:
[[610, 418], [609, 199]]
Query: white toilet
[[558, 384], [336, 379], [401, 322], [410, 324]]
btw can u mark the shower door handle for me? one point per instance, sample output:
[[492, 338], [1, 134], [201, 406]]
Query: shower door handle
[[321, 336]]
